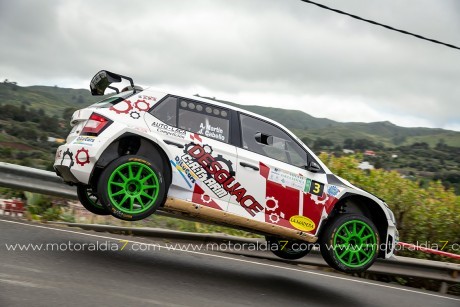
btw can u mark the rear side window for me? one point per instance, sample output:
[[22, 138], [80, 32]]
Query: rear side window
[[204, 119], [166, 111], [194, 116]]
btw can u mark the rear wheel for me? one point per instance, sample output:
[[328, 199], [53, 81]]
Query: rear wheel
[[288, 249], [90, 200], [350, 243], [132, 188]]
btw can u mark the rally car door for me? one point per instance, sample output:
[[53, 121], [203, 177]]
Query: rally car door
[[271, 167], [197, 136]]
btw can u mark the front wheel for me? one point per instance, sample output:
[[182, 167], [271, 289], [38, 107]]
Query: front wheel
[[132, 188], [288, 249], [350, 243]]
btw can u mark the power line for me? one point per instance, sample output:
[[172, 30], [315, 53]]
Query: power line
[[381, 24]]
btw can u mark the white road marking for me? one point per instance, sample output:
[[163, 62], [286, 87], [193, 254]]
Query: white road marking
[[22, 283], [240, 260], [20, 267]]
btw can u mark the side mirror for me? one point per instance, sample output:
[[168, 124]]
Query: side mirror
[[313, 167], [264, 138]]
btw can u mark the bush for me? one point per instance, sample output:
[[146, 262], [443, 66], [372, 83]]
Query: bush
[[423, 215]]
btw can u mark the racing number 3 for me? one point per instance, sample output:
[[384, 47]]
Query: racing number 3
[[316, 188]]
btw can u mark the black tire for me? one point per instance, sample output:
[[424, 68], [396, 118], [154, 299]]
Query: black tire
[[132, 188], [90, 200], [350, 243], [288, 249]]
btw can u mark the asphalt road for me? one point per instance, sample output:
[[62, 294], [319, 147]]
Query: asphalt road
[[132, 274]]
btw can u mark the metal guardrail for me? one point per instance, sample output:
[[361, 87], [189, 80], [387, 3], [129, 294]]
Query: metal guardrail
[[45, 182], [34, 180]]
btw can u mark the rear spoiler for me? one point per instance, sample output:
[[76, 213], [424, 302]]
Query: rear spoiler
[[103, 79]]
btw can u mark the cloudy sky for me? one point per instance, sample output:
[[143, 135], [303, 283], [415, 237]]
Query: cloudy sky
[[282, 53]]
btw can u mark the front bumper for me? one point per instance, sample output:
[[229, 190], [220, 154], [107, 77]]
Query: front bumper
[[391, 240]]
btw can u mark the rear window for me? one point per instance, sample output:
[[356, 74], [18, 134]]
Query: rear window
[[113, 100]]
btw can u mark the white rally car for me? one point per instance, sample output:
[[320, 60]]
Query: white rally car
[[142, 150]]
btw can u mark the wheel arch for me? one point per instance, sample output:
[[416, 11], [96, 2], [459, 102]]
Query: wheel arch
[[132, 144], [354, 203]]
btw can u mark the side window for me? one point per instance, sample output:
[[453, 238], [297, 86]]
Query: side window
[[166, 111], [268, 140], [204, 119]]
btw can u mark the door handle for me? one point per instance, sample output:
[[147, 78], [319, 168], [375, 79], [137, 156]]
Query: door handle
[[174, 144], [244, 164]]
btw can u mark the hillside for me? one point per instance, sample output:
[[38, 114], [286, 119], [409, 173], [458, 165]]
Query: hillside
[[52, 100], [387, 133]]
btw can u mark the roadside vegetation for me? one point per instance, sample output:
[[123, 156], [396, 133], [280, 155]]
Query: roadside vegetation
[[426, 214]]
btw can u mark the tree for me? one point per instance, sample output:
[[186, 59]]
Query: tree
[[321, 143], [307, 141], [67, 114], [348, 143]]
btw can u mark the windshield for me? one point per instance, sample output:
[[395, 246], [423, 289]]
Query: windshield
[[113, 100]]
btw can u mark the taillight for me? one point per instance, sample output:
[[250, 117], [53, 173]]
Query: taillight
[[95, 125]]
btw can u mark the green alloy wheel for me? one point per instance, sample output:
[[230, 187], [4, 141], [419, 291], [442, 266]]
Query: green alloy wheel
[[90, 200], [131, 188], [350, 243]]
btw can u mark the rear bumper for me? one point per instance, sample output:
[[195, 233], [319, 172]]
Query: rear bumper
[[65, 173], [74, 163]]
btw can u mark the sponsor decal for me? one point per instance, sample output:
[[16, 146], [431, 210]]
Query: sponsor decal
[[142, 105], [316, 188], [307, 186], [319, 200], [274, 218], [69, 154], [183, 170], [288, 202], [271, 203], [145, 97], [82, 156], [200, 197], [286, 178], [195, 137], [169, 130], [122, 107], [217, 174], [213, 132], [302, 223], [140, 161], [126, 107], [85, 140], [135, 115], [333, 190]]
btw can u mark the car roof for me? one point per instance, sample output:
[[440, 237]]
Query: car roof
[[228, 106], [223, 105]]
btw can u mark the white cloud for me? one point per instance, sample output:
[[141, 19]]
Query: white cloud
[[254, 52]]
